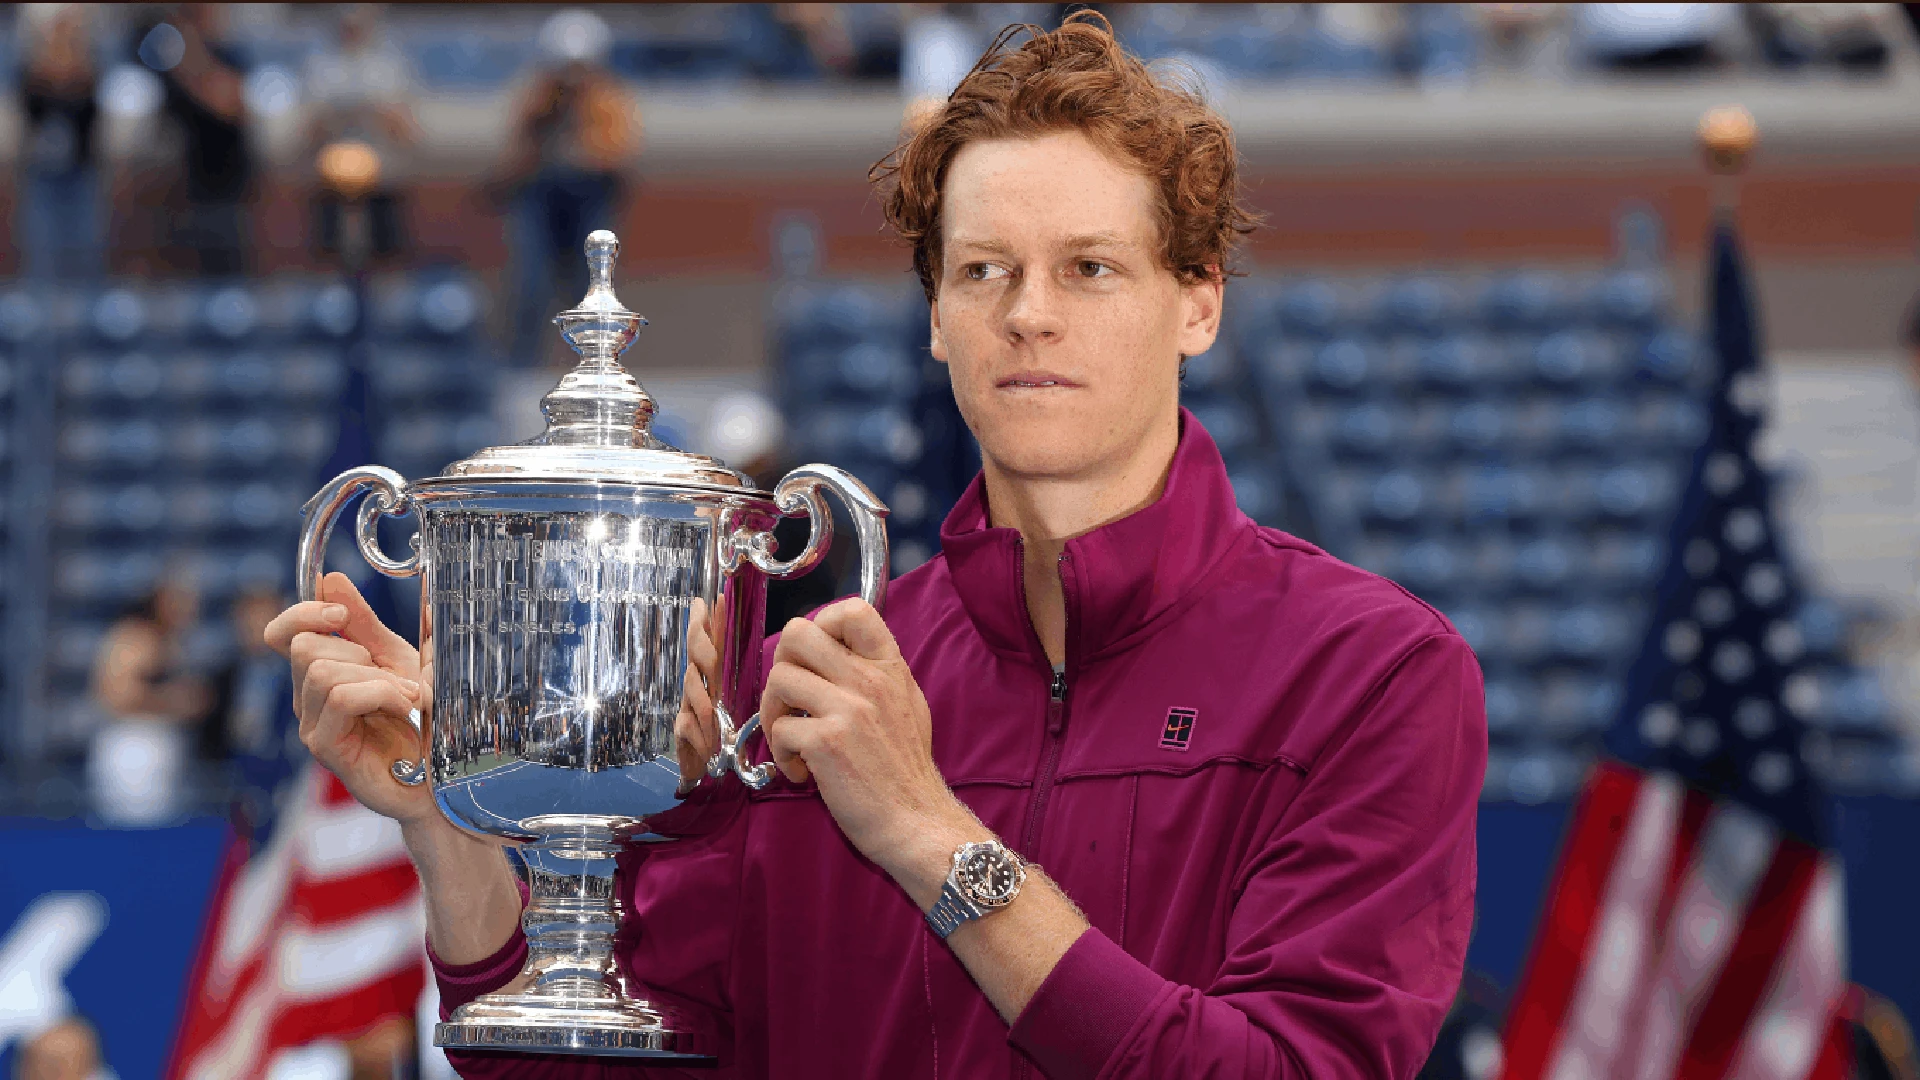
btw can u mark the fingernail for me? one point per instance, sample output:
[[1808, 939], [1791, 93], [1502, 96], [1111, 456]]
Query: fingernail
[[334, 613]]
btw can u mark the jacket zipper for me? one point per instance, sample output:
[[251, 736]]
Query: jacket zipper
[[1055, 738]]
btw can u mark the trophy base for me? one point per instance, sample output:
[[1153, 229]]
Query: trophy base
[[535, 1023]]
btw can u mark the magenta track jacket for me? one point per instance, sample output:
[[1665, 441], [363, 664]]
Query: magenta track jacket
[[1259, 784]]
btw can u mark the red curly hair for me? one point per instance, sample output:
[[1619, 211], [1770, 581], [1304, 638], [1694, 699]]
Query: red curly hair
[[1078, 78]]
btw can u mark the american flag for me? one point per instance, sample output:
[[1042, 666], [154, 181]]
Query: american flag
[[1695, 926], [316, 926]]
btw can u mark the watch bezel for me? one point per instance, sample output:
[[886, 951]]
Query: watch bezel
[[964, 880]]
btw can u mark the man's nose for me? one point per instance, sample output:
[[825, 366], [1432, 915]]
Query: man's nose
[[1033, 311]]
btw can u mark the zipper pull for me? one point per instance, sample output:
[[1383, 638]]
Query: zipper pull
[[1059, 686]]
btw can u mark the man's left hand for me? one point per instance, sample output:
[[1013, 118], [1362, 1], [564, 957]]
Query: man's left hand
[[841, 706]]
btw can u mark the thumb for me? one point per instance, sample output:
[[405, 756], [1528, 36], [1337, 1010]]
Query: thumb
[[363, 627]]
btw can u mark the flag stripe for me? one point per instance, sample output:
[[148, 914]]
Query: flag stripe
[[1792, 1020], [1599, 828], [322, 903], [1771, 917], [1623, 936]]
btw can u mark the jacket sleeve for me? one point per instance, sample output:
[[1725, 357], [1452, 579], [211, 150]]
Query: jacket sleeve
[[684, 893], [1349, 923]]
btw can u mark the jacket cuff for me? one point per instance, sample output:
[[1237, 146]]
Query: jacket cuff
[[461, 983], [1085, 1007]]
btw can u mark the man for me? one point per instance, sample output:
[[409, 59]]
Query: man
[[1250, 771]]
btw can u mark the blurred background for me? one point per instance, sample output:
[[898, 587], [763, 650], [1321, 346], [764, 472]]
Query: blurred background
[[252, 244]]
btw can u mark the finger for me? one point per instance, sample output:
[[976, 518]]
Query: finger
[[696, 723], [309, 617], [376, 712], [811, 647], [700, 647], [325, 677], [308, 647], [364, 627], [853, 623], [791, 709]]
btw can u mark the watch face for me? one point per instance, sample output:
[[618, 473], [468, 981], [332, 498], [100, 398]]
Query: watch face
[[990, 876]]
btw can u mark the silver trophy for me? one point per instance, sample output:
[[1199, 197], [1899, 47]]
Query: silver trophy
[[560, 581]]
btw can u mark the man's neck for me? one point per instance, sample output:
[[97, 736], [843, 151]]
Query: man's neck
[[1050, 510]]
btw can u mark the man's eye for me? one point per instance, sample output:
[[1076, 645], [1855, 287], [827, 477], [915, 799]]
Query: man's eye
[[1091, 269], [985, 271]]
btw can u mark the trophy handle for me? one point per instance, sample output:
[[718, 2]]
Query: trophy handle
[[387, 497], [802, 491]]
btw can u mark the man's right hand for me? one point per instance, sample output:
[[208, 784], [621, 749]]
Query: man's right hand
[[353, 694]]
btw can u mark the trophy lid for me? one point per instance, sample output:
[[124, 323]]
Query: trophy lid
[[599, 418]]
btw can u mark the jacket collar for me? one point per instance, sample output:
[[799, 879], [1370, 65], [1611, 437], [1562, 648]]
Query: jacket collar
[[1120, 578]]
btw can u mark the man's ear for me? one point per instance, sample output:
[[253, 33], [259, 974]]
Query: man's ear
[[936, 343], [1200, 310]]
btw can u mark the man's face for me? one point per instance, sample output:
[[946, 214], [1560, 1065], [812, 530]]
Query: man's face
[[1060, 326]]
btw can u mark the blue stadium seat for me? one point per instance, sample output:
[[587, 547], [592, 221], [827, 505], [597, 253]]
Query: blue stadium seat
[[1670, 356], [230, 313], [1458, 362], [118, 316], [125, 445], [1632, 299], [1528, 300], [1592, 424], [1398, 497], [1572, 357], [1309, 308], [1590, 632], [1231, 423], [1627, 560], [1419, 305], [311, 376], [21, 316], [1670, 420], [1500, 492], [245, 378], [1479, 426], [332, 311], [1429, 566], [1367, 429], [1344, 366], [1511, 701], [1635, 490], [262, 506], [1545, 564]]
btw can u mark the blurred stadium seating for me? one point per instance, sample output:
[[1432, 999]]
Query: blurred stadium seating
[[190, 422]]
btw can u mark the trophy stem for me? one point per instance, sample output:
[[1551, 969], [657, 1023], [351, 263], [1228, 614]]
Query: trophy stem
[[572, 913], [570, 998]]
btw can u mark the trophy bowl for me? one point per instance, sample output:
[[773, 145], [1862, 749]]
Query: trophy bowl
[[562, 577]]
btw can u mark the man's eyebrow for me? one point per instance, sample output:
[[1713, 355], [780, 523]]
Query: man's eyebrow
[[996, 247], [1099, 239], [1077, 242]]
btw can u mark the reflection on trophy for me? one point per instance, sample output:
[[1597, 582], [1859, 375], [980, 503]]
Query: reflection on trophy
[[560, 580]]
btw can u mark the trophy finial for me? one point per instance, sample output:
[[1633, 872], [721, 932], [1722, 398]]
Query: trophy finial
[[600, 327], [598, 402]]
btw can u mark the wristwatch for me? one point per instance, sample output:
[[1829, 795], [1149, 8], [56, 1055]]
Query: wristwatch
[[985, 877]]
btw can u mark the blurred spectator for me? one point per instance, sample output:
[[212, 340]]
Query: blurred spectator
[[59, 214], [360, 92], [745, 430], [574, 129], [69, 1050], [148, 703], [203, 83], [250, 693], [1883, 1046], [937, 49]]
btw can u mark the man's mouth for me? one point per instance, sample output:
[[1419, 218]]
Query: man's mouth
[[1034, 381]]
